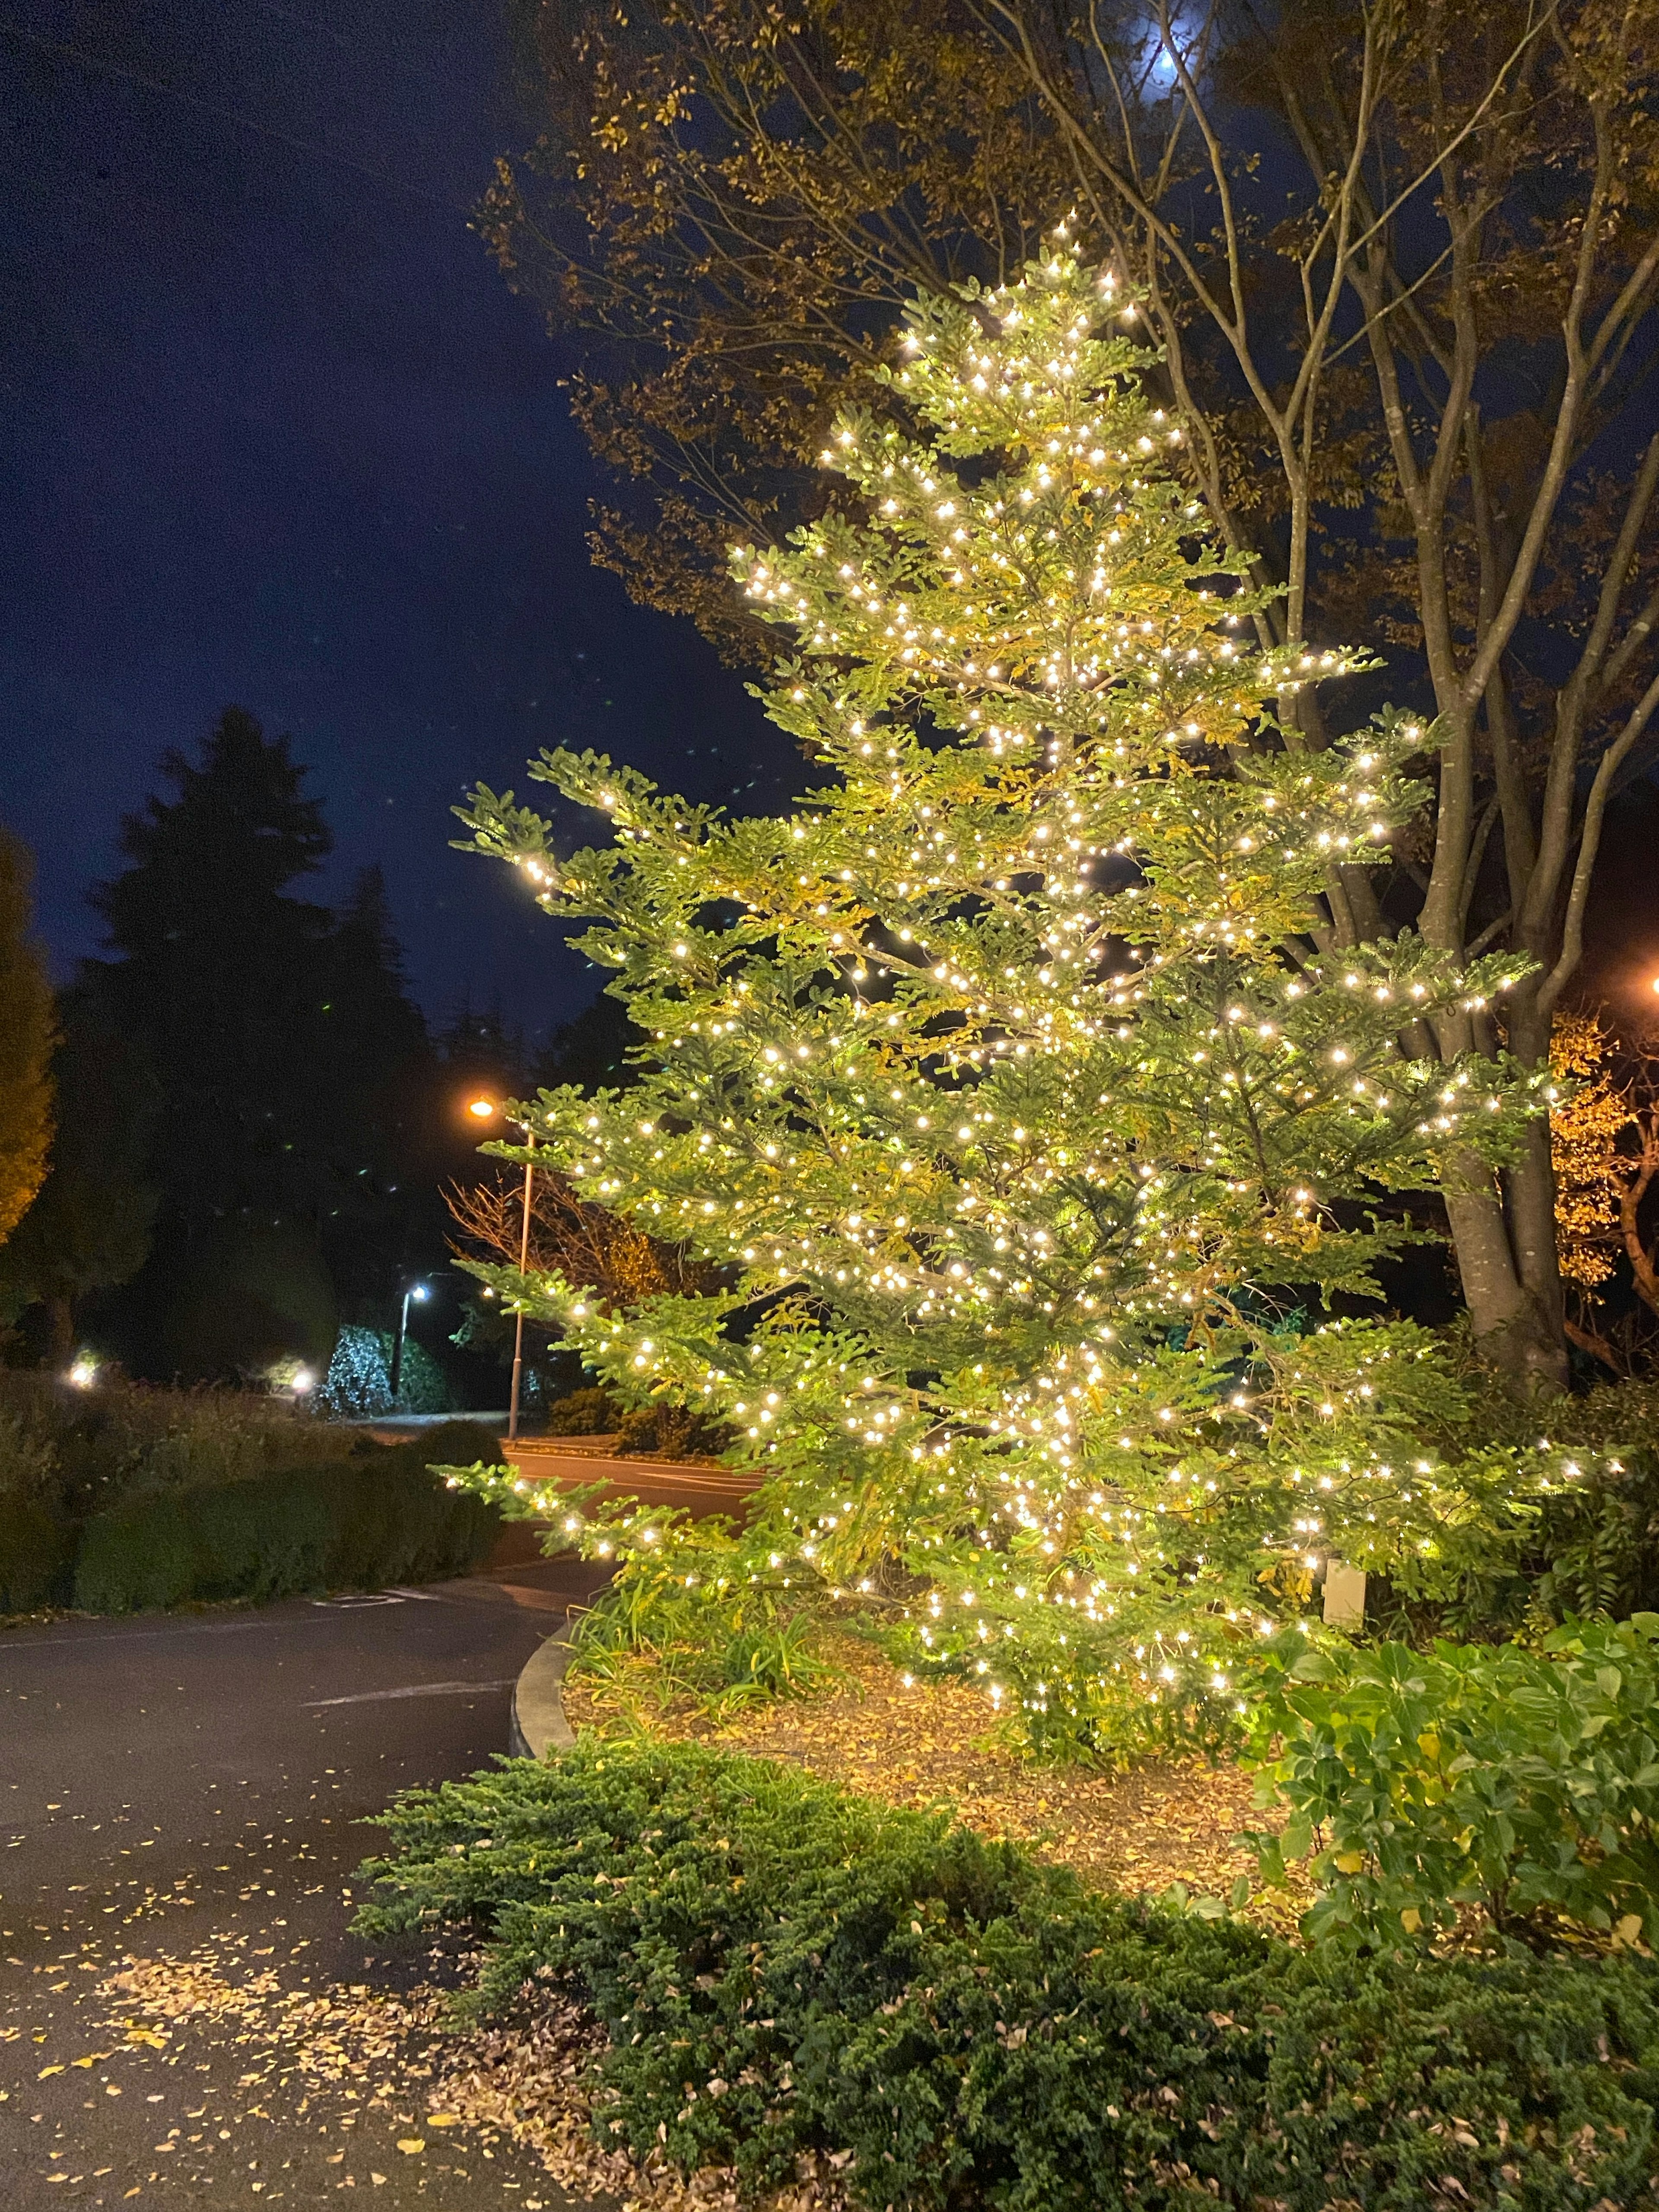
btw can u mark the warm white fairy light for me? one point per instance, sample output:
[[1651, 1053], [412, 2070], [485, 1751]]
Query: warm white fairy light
[[987, 1074]]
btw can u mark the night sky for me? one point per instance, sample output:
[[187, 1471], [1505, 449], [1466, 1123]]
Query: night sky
[[273, 430]]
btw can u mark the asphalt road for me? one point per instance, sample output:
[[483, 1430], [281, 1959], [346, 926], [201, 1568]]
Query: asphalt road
[[190, 1789]]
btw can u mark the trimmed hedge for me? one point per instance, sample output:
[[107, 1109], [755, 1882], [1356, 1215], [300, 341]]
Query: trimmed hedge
[[783, 1968], [36, 1549], [378, 1517]]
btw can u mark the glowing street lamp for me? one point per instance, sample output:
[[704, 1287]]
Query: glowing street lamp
[[419, 1292], [483, 1108]]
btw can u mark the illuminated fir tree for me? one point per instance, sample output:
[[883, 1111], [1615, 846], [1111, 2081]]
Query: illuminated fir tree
[[1006, 1079]]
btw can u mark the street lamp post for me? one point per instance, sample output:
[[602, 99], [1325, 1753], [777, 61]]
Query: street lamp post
[[418, 1291], [482, 1109], [518, 1331]]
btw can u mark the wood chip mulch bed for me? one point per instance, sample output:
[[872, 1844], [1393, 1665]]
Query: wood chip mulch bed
[[924, 1744]]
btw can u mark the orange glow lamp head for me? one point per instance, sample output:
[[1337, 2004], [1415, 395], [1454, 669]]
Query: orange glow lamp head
[[482, 1107]]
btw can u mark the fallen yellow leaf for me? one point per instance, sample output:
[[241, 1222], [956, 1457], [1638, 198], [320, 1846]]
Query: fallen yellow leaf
[[44, 2070], [443, 2119], [409, 2144]]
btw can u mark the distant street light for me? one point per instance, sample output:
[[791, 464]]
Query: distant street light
[[419, 1293], [84, 1373], [483, 1108]]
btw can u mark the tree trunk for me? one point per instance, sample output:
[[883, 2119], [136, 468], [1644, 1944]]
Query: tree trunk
[[1514, 1329], [60, 1343], [1504, 1229]]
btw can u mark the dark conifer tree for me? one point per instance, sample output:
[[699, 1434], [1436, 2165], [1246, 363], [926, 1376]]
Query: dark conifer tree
[[386, 1217], [225, 976], [290, 1062], [591, 1049]]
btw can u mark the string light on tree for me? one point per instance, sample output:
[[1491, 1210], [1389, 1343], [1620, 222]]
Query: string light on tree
[[1006, 1079]]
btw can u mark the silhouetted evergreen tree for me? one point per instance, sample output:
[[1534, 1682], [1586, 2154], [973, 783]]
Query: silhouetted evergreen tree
[[590, 1050], [386, 1217], [225, 976], [288, 1058], [479, 1051]]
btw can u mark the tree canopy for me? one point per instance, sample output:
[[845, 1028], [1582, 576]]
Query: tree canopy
[[1401, 271], [1011, 1080], [27, 1032]]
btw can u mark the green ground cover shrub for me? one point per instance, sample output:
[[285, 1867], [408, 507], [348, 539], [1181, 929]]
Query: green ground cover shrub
[[781, 1967], [378, 1517], [1521, 1785]]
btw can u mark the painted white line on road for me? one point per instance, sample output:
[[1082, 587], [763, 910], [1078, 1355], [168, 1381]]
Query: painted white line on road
[[415, 1690], [397, 1589], [117, 1632]]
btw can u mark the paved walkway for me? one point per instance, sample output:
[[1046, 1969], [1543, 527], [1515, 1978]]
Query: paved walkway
[[173, 1787]]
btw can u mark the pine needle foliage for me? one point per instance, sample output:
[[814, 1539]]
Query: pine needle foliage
[[1006, 1079]]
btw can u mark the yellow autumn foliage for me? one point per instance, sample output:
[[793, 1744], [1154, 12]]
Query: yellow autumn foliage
[[1584, 1134]]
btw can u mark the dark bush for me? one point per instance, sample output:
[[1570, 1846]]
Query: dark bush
[[395, 1522], [380, 1516], [781, 1968], [138, 1555], [669, 1431], [36, 1549], [590, 1412]]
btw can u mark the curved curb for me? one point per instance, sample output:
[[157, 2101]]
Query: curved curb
[[537, 1724]]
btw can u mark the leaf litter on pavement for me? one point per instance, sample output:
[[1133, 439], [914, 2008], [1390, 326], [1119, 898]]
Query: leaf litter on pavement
[[357, 2054]]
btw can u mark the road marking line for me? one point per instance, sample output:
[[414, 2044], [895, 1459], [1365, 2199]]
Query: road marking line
[[415, 1690], [117, 1632]]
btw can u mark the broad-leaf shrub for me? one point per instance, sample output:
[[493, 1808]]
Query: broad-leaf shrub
[[1589, 1537], [1520, 1785], [783, 1968]]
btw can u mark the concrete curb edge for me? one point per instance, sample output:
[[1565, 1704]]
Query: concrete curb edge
[[537, 1724]]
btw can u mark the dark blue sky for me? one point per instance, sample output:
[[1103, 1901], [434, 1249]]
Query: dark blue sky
[[273, 430]]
